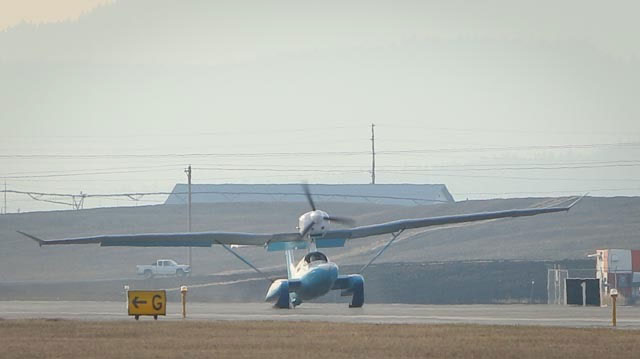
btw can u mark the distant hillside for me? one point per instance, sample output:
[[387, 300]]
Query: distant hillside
[[594, 223]]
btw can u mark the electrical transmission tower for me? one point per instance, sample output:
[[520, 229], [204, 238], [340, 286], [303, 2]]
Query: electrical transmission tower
[[78, 201]]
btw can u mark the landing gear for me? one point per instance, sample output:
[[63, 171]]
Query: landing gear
[[352, 285], [295, 301], [357, 299], [355, 284], [283, 296], [355, 289]]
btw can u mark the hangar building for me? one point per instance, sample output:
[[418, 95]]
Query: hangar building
[[398, 194]]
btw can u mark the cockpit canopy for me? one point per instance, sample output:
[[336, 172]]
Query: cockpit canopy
[[315, 257]]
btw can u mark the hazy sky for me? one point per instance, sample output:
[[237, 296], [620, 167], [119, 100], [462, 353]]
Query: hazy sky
[[44, 11], [493, 98]]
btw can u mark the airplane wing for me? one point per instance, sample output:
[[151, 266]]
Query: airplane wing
[[207, 239], [197, 239], [395, 226]]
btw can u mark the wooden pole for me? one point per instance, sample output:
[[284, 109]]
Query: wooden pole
[[373, 154], [183, 292], [614, 296]]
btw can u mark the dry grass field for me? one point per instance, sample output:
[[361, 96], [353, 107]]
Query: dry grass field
[[196, 339]]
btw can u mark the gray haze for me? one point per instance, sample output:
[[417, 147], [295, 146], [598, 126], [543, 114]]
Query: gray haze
[[276, 78]]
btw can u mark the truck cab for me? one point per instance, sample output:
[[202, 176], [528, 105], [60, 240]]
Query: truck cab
[[164, 267]]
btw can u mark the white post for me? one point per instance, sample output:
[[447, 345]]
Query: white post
[[126, 296]]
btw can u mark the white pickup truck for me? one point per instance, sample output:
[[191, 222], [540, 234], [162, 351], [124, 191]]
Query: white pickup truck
[[165, 267]]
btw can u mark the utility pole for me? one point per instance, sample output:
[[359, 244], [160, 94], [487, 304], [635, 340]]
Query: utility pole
[[188, 172], [373, 154], [5, 198]]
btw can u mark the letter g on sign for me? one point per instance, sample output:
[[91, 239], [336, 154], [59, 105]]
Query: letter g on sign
[[156, 301]]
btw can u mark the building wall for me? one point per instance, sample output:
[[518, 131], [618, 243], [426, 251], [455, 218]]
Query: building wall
[[620, 269]]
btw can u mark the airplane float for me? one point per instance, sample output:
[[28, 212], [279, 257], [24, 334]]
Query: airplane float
[[315, 275]]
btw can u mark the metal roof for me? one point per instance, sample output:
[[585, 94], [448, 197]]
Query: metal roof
[[399, 194]]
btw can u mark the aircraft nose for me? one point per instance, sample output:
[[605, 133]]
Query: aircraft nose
[[332, 270], [323, 276]]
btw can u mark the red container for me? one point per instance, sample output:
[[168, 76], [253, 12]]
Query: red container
[[635, 261]]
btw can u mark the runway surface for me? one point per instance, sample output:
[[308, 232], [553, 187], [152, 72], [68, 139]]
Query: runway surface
[[547, 315]]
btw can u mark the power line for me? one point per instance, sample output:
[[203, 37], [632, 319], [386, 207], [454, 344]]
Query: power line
[[225, 178], [613, 161], [295, 170], [393, 169], [182, 155], [220, 167], [95, 169], [79, 174], [520, 168], [323, 153], [436, 174], [516, 148], [346, 169], [77, 200], [174, 134], [319, 167], [195, 134], [136, 195], [511, 131]]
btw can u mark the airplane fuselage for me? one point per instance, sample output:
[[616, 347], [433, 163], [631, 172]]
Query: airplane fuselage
[[316, 280], [313, 277]]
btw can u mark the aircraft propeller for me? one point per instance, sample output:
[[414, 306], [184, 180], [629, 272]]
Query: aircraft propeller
[[307, 192], [307, 229], [342, 220]]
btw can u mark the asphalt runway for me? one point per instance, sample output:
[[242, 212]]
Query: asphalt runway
[[546, 315]]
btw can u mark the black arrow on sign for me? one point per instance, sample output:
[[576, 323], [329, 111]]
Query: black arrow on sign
[[136, 302]]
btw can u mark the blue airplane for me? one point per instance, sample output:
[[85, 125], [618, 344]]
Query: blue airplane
[[314, 275]]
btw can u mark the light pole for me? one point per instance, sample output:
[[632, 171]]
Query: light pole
[[188, 172], [531, 292]]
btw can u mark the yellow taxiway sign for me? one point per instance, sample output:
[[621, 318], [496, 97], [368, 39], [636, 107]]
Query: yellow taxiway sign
[[147, 302]]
